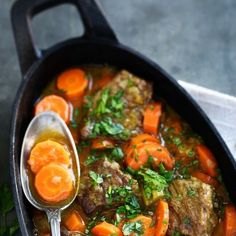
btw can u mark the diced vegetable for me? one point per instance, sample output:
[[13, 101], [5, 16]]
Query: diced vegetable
[[73, 82], [75, 222], [56, 104], [153, 186], [207, 160], [162, 218], [106, 229], [230, 221], [53, 183], [46, 152], [206, 178], [151, 118]]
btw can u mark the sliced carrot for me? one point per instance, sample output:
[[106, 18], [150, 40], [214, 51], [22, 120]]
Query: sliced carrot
[[102, 143], [230, 221], [56, 104], [143, 138], [46, 152], [106, 229], [53, 183], [138, 155], [207, 160], [75, 222], [73, 82], [162, 218], [151, 118], [162, 155], [135, 157], [146, 222], [205, 178]]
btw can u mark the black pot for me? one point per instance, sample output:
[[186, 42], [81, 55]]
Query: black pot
[[99, 45]]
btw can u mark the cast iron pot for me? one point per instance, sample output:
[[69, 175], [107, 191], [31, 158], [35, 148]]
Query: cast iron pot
[[98, 45]]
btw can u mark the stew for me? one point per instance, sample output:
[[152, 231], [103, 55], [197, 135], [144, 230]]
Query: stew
[[144, 171]]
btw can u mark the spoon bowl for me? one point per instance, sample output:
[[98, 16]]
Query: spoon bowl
[[39, 124]]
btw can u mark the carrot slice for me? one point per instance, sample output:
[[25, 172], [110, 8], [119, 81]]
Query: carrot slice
[[143, 138], [146, 222], [138, 155], [102, 143], [135, 157], [162, 155], [73, 82], [162, 218], [56, 104], [75, 222], [46, 152], [106, 229], [207, 160], [230, 221], [151, 118], [206, 178], [53, 183]]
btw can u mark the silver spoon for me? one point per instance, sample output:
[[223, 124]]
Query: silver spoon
[[40, 123]]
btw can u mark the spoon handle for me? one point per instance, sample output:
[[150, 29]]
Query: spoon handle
[[54, 218]]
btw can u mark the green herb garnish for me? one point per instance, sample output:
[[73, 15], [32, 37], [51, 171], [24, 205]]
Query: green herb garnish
[[135, 228], [97, 178]]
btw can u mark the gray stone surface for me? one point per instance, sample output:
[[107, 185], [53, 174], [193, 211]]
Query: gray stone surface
[[194, 40]]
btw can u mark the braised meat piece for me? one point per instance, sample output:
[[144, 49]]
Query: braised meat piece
[[123, 100], [191, 208], [98, 180]]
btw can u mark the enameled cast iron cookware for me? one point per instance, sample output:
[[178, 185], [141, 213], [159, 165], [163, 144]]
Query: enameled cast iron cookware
[[98, 45]]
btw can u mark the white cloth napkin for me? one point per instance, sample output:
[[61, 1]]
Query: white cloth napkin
[[220, 108]]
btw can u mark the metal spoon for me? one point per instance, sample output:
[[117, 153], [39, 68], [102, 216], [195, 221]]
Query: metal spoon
[[40, 123]]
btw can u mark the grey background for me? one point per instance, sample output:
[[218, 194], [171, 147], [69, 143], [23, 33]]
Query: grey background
[[194, 40]]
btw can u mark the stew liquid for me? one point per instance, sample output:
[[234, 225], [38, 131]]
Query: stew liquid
[[144, 171]]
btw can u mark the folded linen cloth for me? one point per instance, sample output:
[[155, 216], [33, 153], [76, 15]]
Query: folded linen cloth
[[220, 108]]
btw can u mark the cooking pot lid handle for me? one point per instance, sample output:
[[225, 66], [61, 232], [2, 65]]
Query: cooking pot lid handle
[[95, 24]]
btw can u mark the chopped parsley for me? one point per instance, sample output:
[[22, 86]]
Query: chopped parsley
[[108, 104], [134, 228], [91, 159], [191, 153], [117, 153], [93, 222], [191, 192], [109, 128], [153, 184], [102, 118], [97, 178], [131, 207], [168, 175], [187, 221]]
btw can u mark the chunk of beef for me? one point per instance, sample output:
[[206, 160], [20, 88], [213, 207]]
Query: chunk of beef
[[92, 196], [191, 208], [137, 93]]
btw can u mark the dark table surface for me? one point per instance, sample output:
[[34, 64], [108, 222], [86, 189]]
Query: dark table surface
[[194, 40]]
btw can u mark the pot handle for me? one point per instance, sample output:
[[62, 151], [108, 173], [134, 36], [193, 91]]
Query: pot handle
[[94, 21]]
